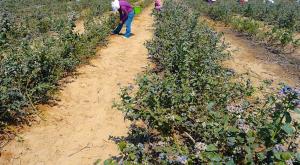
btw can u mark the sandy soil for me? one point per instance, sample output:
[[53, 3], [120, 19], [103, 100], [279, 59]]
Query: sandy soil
[[260, 63], [79, 26], [77, 129]]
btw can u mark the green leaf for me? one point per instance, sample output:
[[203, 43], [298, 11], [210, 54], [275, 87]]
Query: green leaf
[[277, 155], [230, 162], [261, 156], [297, 155], [233, 129], [97, 162], [122, 145], [280, 163], [251, 139], [288, 128], [231, 140], [211, 147], [286, 156], [109, 162], [288, 118], [271, 99], [210, 106], [178, 118], [132, 156], [214, 157]]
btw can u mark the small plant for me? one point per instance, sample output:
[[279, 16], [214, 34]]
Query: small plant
[[6, 23], [249, 26]]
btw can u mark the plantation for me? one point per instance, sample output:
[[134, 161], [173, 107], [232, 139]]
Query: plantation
[[275, 25], [186, 108], [38, 47], [191, 110], [282, 14]]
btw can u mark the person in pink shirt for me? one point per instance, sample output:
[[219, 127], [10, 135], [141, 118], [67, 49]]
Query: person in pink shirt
[[157, 5]]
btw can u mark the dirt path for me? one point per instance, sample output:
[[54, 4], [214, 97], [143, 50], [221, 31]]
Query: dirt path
[[259, 62], [76, 131]]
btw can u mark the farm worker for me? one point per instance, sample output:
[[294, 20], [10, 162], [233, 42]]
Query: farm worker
[[126, 16], [211, 1], [270, 1], [243, 1], [157, 5]]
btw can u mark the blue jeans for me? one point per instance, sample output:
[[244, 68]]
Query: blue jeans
[[128, 25]]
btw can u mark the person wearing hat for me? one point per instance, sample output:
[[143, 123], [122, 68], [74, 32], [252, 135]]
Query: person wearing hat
[[242, 2], [126, 16], [211, 1]]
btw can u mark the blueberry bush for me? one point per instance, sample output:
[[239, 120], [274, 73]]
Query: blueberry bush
[[281, 14], [275, 25], [191, 110], [38, 47]]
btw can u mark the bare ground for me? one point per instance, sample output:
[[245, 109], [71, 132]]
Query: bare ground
[[260, 63], [77, 129]]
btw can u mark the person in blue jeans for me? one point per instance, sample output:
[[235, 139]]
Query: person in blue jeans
[[126, 16]]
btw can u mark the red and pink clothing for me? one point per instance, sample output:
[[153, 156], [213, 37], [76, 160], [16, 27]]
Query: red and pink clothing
[[125, 9], [157, 4]]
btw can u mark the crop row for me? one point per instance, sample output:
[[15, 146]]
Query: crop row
[[281, 14], [276, 36], [38, 47], [191, 110]]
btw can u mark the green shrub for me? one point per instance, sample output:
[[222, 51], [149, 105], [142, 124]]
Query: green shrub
[[221, 11], [280, 20], [40, 48], [248, 26], [281, 14], [6, 23], [191, 110]]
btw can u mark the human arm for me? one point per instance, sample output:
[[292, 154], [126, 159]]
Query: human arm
[[123, 15]]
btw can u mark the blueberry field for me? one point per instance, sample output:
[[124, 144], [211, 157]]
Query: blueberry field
[[192, 110], [38, 48], [274, 24], [183, 106]]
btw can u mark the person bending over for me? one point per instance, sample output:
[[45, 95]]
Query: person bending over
[[126, 16]]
